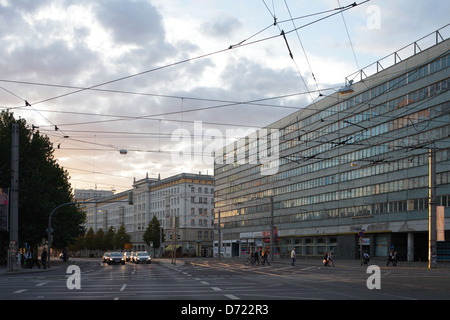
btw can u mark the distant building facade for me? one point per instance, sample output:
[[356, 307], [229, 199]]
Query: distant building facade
[[187, 197], [84, 194]]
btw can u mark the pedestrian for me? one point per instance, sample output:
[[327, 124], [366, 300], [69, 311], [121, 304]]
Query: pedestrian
[[366, 258], [390, 257], [293, 257], [19, 259], [394, 258], [35, 259], [264, 256], [330, 259], [325, 259], [256, 257], [44, 258], [28, 259]]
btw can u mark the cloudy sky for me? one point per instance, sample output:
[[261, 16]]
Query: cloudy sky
[[160, 77]]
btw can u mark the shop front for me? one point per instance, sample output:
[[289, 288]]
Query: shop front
[[259, 240]]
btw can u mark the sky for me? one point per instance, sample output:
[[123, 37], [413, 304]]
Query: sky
[[126, 88]]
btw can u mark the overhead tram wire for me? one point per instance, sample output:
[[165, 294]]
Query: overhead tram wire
[[27, 104], [183, 61], [349, 39], [341, 9], [241, 44], [173, 64], [303, 48], [151, 117]]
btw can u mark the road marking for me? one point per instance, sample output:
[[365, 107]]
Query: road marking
[[116, 298], [123, 287], [232, 297], [20, 291], [216, 289], [204, 282], [308, 268], [41, 284]]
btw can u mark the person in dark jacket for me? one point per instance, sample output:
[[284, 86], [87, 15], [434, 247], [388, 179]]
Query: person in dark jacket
[[44, 256]]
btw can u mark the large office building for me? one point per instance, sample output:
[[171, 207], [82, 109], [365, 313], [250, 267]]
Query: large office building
[[348, 173]]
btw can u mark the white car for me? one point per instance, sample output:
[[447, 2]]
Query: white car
[[142, 256]]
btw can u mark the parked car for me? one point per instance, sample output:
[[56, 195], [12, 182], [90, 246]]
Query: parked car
[[106, 256], [116, 257], [142, 256]]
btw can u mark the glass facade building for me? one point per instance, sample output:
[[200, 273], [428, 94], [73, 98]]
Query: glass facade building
[[346, 172]]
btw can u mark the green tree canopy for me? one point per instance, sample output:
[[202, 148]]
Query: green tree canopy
[[152, 233], [43, 185], [121, 238]]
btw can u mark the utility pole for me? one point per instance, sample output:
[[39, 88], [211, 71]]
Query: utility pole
[[432, 233], [220, 239], [14, 200], [271, 228]]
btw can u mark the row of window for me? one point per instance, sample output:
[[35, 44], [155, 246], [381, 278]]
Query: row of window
[[373, 131], [360, 155], [355, 211], [351, 193], [176, 191], [393, 84], [407, 120]]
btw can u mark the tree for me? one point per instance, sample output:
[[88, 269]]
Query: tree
[[152, 234], [109, 239], [89, 240], [43, 185], [99, 240], [121, 237]]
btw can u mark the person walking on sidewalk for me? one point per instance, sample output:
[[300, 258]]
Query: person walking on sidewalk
[[34, 259], [366, 258], [28, 259], [264, 256], [390, 258], [256, 257], [293, 257], [330, 259], [44, 258], [325, 259]]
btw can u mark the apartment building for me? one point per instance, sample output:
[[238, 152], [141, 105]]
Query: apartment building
[[187, 197]]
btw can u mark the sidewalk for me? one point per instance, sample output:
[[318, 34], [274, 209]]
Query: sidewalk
[[54, 264]]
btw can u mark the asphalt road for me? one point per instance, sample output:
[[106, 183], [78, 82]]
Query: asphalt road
[[194, 282]]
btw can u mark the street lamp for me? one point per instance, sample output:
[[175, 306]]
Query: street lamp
[[347, 89]]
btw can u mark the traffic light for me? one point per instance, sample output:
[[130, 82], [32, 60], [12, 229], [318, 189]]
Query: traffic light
[[130, 198]]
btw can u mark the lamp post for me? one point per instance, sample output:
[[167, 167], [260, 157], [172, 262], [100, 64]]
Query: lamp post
[[432, 233]]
